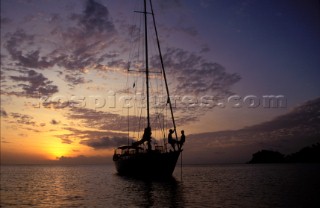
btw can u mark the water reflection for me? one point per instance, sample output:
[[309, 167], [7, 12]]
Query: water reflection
[[203, 186], [153, 193], [41, 186]]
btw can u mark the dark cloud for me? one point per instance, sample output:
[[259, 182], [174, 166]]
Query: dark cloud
[[85, 45], [2, 76], [306, 115], [91, 134], [55, 18], [193, 80], [34, 84], [204, 49], [287, 133], [107, 121], [23, 119], [97, 139], [188, 30], [76, 47], [66, 138], [173, 4], [102, 120], [31, 58], [32, 129], [74, 79], [196, 76], [57, 102], [5, 21], [54, 122], [108, 129], [106, 142], [3, 113], [188, 117], [66, 141], [81, 159], [96, 18]]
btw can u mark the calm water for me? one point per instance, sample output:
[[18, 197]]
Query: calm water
[[202, 186]]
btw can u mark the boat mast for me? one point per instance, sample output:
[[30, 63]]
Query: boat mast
[[163, 71], [147, 64]]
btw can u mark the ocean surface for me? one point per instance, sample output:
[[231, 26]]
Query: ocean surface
[[270, 185]]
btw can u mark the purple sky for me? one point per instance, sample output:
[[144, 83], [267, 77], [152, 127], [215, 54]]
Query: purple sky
[[247, 49]]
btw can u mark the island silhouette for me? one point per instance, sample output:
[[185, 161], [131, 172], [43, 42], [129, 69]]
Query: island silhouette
[[309, 154]]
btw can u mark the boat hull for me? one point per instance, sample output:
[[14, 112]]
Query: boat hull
[[147, 165]]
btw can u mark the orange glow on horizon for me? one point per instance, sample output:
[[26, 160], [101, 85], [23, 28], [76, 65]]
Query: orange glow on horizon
[[58, 151]]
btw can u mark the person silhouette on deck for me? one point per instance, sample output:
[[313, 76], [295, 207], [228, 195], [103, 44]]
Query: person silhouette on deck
[[171, 140], [182, 140], [145, 138]]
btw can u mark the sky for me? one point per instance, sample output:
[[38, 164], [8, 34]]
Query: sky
[[232, 65]]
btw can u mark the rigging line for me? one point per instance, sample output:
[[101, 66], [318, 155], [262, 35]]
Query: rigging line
[[164, 73], [156, 121], [146, 61], [166, 128], [136, 44], [128, 106], [132, 38], [141, 107], [139, 41], [135, 112], [139, 60], [128, 126], [181, 165]]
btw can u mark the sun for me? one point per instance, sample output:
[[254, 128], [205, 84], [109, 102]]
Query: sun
[[57, 153], [58, 150]]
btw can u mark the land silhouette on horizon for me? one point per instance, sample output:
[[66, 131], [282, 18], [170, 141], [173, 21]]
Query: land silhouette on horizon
[[309, 154]]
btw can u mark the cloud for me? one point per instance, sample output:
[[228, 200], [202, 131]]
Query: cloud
[[81, 159], [32, 129], [188, 30], [286, 133], [2, 76], [96, 18], [102, 120], [23, 119], [5, 21], [77, 46], [66, 138], [94, 134], [108, 129], [3, 113], [93, 138], [106, 142], [191, 77], [66, 141], [84, 46], [107, 121], [36, 85], [196, 76], [4, 140], [54, 122], [173, 4], [204, 48], [26, 58], [307, 115], [85, 43], [75, 79]]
